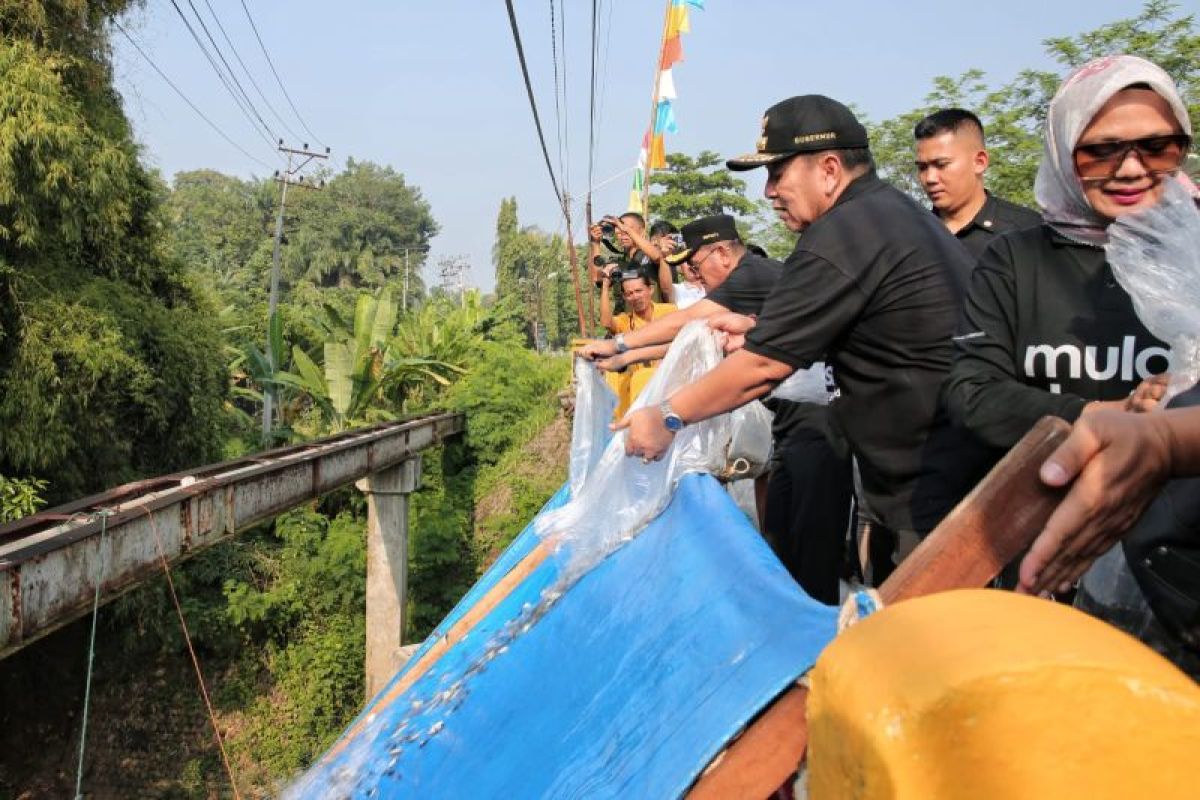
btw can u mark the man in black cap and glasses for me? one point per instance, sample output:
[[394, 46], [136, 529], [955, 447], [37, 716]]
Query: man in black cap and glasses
[[874, 288]]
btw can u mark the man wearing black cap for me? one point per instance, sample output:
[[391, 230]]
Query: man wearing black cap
[[734, 279], [810, 484], [874, 287]]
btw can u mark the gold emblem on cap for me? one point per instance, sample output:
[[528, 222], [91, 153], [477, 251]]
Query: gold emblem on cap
[[708, 236], [761, 144]]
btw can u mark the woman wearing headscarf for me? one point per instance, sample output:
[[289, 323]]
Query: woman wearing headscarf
[[1047, 330]]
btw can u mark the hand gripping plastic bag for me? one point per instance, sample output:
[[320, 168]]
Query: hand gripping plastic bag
[[620, 494], [595, 403], [1155, 256]]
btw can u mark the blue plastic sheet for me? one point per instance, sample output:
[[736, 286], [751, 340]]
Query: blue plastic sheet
[[627, 686]]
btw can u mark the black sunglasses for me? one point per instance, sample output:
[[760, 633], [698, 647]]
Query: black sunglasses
[[1101, 160]]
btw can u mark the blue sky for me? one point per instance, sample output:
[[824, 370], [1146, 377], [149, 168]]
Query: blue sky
[[434, 89]]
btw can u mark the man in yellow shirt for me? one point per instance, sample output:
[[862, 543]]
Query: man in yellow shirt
[[640, 311]]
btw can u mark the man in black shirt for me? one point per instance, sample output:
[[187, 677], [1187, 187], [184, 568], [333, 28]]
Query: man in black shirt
[[735, 279], [874, 287], [951, 161], [808, 495]]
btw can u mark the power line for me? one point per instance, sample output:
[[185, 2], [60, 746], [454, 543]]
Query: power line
[[566, 173], [537, 120], [229, 69], [558, 117], [268, 137], [249, 75], [592, 109], [604, 68], [277, 78], [185, 98]]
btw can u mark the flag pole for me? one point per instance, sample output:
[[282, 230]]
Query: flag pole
[[662, 49]]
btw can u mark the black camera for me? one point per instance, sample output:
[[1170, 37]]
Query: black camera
[[607, 228]]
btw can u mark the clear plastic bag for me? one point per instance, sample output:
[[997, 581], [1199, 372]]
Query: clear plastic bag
[[1155, 256], [810, 385], [750, 441], [621, 494], [595, 403]]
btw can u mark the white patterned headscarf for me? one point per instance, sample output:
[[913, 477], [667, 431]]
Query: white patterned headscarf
[[1058, 189]]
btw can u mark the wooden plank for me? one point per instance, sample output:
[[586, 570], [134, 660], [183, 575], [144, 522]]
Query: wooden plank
[[760, 753], [987, 530], [993, 525]]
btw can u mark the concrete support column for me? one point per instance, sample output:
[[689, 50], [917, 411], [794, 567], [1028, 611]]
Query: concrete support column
[[387, 566]]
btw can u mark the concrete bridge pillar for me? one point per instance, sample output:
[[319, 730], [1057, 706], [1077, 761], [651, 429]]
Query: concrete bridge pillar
[[387, 566]]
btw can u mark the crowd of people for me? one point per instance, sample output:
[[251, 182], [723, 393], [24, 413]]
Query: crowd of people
[[947, 332]]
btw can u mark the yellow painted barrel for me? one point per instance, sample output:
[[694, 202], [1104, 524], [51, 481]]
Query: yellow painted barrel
[[986, 695]]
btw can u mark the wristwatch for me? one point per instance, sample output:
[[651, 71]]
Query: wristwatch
[[673, 422], [619, 340]]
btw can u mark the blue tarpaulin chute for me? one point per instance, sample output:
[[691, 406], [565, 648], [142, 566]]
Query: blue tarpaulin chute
[[626, 686]]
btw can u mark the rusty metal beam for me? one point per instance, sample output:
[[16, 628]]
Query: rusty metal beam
[[49, 562]]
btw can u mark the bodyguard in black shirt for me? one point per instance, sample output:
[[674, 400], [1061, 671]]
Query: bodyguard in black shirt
[[874, 287], [951, 161]]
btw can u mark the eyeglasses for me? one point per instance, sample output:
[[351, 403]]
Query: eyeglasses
[[1101, 160], [694, 266]]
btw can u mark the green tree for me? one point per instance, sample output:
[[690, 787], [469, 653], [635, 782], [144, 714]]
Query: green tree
[[696, 187], [1014, 113], [105, 344], [356, 232]]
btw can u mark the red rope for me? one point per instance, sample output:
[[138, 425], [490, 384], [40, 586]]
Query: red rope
[[191, 650]]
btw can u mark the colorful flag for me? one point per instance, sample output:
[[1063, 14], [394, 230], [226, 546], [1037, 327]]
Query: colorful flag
[[672, 52], [664, 121], [653, 153], [677, 21], [666, 85], [658, 152]]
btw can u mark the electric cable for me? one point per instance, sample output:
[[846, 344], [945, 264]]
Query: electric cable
[[592, 109], [537, 120], [249, 74], [186, 99], [241, 89], [278, 80], [268, 138], [558, 118]]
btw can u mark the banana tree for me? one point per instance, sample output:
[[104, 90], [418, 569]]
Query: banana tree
[[252, 373], [361, 381]]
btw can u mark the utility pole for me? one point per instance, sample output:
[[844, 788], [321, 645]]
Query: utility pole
[[404, 300], [571, 255], [290, 177], [453, 271]]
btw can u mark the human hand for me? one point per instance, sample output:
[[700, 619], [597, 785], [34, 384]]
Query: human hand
[[1148, 394], [732, 323], [597, 348], [617, 363], [647, 436], [1117, 461], [734, 326]]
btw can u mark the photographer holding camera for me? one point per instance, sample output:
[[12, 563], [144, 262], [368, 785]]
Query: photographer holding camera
[[632, 248]]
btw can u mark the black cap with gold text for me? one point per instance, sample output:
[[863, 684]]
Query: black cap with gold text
[[702, 231], [804, 124]]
